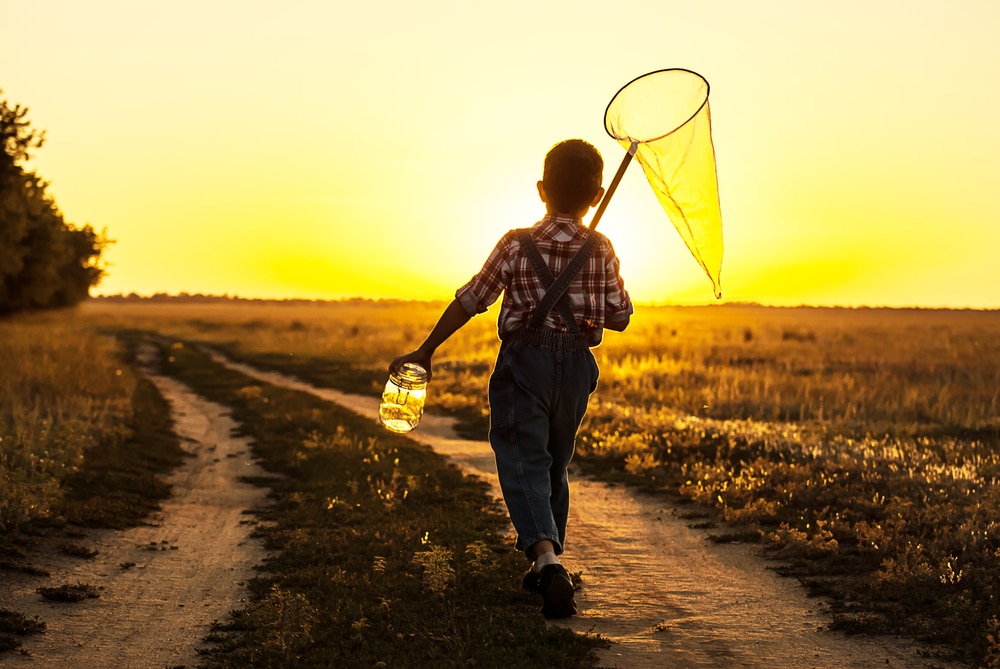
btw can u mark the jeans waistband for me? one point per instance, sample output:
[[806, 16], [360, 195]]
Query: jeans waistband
[[549, 339]]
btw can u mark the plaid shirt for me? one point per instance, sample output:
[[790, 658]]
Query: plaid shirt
[[596, 292]]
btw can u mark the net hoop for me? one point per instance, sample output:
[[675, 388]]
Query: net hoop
[[615, 99]]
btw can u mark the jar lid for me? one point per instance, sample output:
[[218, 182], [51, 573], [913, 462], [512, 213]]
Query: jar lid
[[410, 375]]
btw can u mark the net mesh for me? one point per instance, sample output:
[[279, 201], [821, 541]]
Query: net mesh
[[666, 113]]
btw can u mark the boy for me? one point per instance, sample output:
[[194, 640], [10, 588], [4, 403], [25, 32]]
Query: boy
[[545, 371]]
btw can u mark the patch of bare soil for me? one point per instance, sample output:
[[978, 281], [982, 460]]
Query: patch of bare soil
[[664, 594], [160, 585]]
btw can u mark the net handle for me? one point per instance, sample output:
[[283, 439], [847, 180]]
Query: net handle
[[614, 183]]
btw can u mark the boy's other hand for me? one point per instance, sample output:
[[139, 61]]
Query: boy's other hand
[[617, 323]]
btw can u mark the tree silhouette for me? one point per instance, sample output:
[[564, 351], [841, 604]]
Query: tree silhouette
[[45, 262]]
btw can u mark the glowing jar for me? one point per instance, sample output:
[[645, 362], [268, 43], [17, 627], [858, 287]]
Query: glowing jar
[[403, 398]]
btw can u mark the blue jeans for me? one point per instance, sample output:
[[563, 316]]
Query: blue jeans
[[538, 396]]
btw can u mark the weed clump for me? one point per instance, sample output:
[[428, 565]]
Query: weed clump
[[14, 626], [76, 550], [69, 592]]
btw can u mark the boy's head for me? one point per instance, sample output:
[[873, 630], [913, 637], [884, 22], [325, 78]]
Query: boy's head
[[571, 178]]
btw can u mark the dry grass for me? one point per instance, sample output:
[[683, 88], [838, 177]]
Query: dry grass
[[865, 371], [63, 389]]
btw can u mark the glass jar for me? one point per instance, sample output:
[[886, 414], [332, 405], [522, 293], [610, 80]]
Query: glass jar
[[403, 398]]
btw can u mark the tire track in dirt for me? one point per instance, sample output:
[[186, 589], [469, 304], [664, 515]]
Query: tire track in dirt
[[659, 590], [162, 584]]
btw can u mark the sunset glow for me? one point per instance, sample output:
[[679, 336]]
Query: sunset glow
[[327, 150]]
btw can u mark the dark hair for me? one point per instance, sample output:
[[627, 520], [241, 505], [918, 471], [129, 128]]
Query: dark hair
[[572, 175]]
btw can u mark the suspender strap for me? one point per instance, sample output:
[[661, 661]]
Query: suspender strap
[[556, 288]]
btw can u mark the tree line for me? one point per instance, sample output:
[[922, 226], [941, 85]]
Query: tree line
[[45, 262]]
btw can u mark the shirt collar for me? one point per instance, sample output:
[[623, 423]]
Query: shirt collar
[[560, 227]]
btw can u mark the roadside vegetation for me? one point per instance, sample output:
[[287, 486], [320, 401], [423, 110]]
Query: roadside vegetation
[[857, 447]]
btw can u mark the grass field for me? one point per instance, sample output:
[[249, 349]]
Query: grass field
[[859, 446]]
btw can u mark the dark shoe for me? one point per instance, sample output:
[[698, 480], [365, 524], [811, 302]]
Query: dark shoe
[[557, 592]]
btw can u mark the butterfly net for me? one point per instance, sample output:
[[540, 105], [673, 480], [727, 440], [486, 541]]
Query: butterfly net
[[663, 117]]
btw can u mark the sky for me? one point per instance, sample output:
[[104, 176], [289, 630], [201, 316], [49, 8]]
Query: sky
[[331, 149]]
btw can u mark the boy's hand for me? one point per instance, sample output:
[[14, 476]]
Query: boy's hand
[[418, 357], [453, 318]]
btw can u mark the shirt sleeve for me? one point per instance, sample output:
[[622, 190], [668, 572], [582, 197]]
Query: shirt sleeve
[[485, 287]]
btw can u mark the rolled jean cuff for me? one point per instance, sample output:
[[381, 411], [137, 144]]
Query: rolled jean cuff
[[525, 543]]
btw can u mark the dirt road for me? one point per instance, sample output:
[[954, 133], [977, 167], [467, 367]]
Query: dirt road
[[160, 585], [664, 594]]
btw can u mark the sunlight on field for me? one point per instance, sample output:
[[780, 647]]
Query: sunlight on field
[[850, 442], [871, 370]]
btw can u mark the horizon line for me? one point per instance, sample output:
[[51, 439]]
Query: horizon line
[[184, 296]]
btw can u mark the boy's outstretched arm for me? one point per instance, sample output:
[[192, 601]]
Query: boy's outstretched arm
[[453, 318]]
